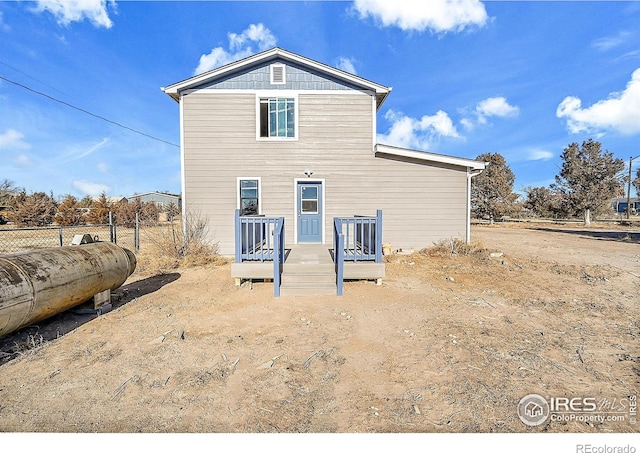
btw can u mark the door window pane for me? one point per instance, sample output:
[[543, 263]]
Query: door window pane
[[309, 206], [309, 199]]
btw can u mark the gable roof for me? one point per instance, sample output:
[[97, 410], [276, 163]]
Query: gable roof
[[430, 157], [381, 91]]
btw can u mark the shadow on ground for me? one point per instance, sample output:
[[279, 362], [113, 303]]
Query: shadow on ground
[[620, 236], [35, 335]]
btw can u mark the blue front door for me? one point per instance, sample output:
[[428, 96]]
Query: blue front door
[[309, 211]]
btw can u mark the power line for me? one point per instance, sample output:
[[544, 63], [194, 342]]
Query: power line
[[87, 112]]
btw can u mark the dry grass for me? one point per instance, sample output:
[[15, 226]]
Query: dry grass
[[454, 246], [171, 246]]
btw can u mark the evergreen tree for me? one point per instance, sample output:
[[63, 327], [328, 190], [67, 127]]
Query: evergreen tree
[[588, 179], [99, 214], [33, 210], [69, 212], [492, 193]]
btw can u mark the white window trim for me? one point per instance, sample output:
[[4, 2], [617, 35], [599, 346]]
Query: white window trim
[[253, 178], [284, 74], [277, 94]]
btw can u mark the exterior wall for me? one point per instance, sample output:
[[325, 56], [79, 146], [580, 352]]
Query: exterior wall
[[421, 202]]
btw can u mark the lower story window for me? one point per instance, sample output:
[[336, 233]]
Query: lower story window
[[249, 199]]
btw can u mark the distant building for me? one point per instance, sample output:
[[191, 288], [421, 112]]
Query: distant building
[[161, 199], [619, 205]]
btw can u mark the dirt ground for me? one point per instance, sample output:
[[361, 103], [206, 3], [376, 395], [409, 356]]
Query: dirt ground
[[446, 344]]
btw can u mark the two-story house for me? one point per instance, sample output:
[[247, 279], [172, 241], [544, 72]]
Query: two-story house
[[278, 134]]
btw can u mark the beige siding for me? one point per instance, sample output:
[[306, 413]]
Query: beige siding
[[421, 202]]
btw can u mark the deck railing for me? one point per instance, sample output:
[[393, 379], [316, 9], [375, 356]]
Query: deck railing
[[357, 238], [260, 238]]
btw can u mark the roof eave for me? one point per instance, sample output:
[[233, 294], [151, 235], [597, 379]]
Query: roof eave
[[431, 157]]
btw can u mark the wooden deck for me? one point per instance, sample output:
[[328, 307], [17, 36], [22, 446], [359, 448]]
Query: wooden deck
[[308, 269]]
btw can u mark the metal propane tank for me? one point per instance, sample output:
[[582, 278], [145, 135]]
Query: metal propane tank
[[38, 284]]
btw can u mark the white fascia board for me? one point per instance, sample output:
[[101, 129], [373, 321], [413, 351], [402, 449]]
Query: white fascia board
[[431, 157], [380, 90]]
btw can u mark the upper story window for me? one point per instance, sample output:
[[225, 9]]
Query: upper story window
[[277, 117]]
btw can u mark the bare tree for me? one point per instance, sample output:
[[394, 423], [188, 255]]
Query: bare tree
[[492, 193], [588, 179], [636, 182]]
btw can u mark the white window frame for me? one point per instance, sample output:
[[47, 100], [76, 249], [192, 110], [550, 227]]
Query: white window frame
[[284, 74], [249, 178], [296, 117]]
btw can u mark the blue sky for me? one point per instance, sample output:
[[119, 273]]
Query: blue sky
[[524, 79]]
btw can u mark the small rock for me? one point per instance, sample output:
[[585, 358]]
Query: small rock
[[157, 340], [496, 254], [342, 313], [451, 279], [266, 365], [416, 410]]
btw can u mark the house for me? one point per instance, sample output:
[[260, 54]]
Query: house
[[161, 199], [278, 134], [619, 205]]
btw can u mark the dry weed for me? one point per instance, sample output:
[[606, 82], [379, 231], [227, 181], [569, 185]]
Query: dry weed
[[174, 245], [454, 246]]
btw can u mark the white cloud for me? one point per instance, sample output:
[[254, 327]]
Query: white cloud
[[491, 107], [407, 132], [539, 154], [68, 11], [24, 160], [496, 107], [3, 25], [435, 15], [620, 112], [240, 46], [90, 188], [80, 151], [13, 139], [346, 64], [609, 42]]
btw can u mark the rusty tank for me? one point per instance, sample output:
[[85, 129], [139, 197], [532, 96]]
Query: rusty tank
[[38, 284]]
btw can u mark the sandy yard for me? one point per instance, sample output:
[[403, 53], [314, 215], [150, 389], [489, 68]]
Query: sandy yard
[[446, 344]]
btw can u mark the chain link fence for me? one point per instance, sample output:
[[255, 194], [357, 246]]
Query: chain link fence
[[14, 240]]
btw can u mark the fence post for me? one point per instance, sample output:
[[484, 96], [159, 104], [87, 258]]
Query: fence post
[[136, 234], [60, 234], [111, 232]]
